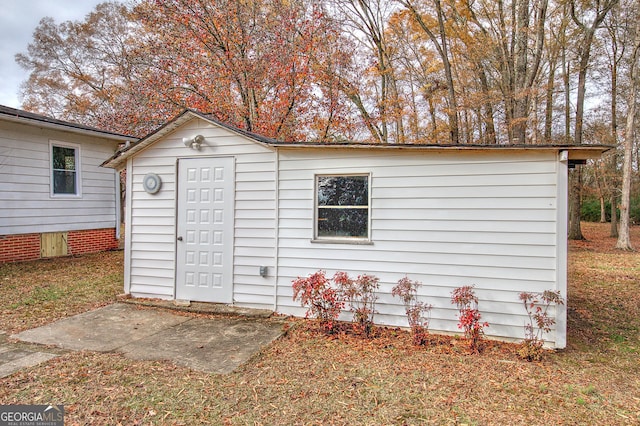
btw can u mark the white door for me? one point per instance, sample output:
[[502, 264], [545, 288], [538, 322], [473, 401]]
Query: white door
[[205, 230]]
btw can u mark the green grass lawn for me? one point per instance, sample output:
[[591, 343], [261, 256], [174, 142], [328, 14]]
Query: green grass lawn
[[309, 378]]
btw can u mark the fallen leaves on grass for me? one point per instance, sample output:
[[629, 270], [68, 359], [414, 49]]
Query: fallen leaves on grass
[[309, 378], [604, 298], [39, 292]]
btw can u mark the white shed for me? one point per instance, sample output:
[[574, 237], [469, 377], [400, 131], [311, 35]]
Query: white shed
[[216, 214], [55, 199]]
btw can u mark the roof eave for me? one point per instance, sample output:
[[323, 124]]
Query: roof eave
[[66, 128], [588, 152], [575, 152], [119, 159]]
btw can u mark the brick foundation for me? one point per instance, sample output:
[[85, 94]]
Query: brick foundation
[[92, 241], [18, 248]]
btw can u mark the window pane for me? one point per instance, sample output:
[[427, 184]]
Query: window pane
[[64, 182], [343, 222], [343, 190], [64, 158]]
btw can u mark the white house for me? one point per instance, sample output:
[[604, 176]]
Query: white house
[[216, 214], [55, 199]]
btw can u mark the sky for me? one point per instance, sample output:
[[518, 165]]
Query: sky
[[18, 20]]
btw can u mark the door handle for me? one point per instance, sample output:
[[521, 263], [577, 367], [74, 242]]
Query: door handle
[[179, 238]]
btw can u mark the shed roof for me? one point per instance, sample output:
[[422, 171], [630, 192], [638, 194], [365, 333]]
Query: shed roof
[[576, 153], [26, 117]]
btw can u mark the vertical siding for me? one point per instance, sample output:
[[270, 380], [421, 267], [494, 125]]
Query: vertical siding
[[153, 217], [25, 202], [445, 219]]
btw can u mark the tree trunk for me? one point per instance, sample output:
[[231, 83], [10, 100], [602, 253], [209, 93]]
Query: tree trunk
[[567, 96], [614, 216], [413, 116], [548, 115], [600, 172], [575, 232], [432, 114], [521, 98], [454, 132], [582, 86], [624, 240], [442, 48], [613, 166], [490, 132], [575, 183]]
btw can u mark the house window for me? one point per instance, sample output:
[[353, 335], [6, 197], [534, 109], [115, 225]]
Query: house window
[[65, 169], [342, 207]]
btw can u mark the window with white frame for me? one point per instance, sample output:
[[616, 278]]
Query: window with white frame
[[65, 169], [342, 207]]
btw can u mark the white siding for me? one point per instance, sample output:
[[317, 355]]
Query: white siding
[[151, 253], [26, 205], [445, 219]]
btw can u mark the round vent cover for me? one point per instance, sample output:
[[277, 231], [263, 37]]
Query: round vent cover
[[151, 183]]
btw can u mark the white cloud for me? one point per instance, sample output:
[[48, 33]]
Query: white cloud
[[18, 20]]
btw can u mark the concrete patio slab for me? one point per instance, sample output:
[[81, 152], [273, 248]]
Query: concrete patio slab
[[102, 330], [214, 345], [219, 345], [16, 356], [13, 361]]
